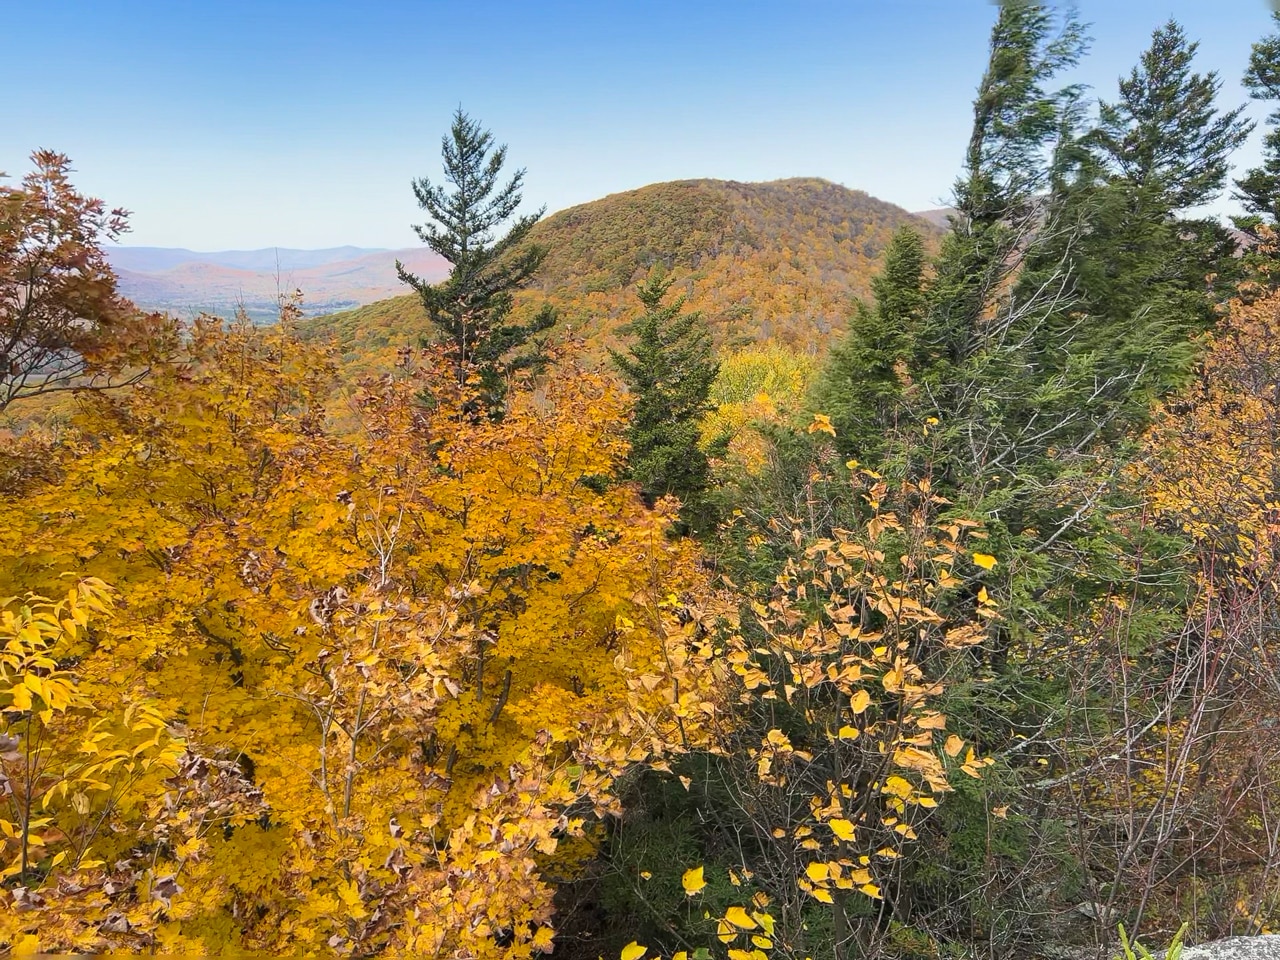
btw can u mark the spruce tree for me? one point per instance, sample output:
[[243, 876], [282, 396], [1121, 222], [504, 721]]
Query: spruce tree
[[473, 305], [1138, 266], [860, 385], [1166, 129], [669, 370], [1016, 119]]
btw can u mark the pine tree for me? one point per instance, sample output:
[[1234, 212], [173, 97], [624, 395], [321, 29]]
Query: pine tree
[[861, 382], [473, 305], [669, 370], [1259, 188]]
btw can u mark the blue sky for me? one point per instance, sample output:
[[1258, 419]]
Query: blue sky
[[250, 123]]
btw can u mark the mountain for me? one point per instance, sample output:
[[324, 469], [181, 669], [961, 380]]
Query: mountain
[[187, 282], [941, 217], [266, 260], [782, 260]]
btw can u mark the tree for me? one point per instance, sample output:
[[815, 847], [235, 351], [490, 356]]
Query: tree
[[861, 382], [1015, 120], [1165, 129], [414, 658], [1259, 188], [1013, 115], [1138, 268], [473, 306], [63, 324], [669, 370]]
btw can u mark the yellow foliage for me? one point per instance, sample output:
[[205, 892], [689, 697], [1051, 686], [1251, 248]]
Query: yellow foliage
[[762, 384], [847, 648], [399, 658], [1213, 464]]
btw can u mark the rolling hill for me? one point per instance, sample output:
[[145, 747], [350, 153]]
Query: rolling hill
[[779, 261]]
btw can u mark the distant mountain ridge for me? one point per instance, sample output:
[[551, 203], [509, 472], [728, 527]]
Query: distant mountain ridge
[[187, 282], [267, 259], [783, 260]]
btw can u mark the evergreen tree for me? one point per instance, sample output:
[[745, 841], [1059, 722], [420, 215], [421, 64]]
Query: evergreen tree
[[1015, 120], [1165, 129], [1259, 188], [1014, 117], [1138, 269], [861, 383], [472, 307], [669, 369]]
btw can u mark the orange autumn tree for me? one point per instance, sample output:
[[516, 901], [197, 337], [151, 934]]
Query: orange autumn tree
[[408, 665], [63, 324]]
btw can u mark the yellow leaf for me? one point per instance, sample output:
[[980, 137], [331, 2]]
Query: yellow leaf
[[693, 881], [633, 951], [817, 872], [21, 698], [871, 890], [542, 940], [843, 829], [740, 918], [859, 702], [984, 560], [822, 424], [848, 733], [1001, 812], [819, 894], [900, 787], [953, 746]]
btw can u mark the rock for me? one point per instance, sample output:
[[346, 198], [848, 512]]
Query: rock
[[1236, 948]]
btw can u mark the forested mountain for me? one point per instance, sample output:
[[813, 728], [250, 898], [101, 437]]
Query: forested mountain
[[781, 261]]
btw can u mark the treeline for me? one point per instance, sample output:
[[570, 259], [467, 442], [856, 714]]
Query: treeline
[[957, 642]]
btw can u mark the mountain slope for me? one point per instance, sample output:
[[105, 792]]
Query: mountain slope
[[764, 261]]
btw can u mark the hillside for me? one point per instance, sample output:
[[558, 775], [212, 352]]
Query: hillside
[[764, 261]]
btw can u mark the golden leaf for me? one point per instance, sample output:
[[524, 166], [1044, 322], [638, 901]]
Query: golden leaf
[[822, 424], [693, 881], [843, 829]]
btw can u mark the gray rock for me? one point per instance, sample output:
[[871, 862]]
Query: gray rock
[[1236, 948]]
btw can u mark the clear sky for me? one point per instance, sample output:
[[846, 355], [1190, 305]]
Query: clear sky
[[299, 123]]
